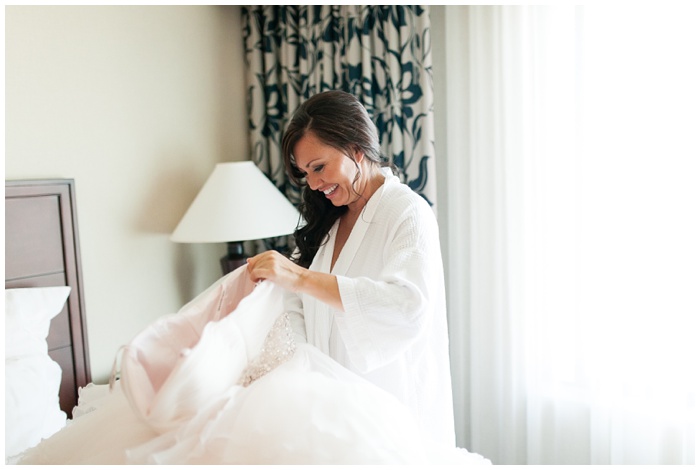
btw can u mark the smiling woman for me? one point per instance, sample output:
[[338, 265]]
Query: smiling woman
[[365, 282], [345, 180], [319, 136]]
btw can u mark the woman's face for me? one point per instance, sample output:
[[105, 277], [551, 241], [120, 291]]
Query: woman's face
[[328, 170]]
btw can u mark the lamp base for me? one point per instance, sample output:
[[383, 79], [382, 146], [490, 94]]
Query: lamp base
[[234, 258]]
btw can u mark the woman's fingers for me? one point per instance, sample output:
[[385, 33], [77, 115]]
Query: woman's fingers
[[272, 266], [266, 265]]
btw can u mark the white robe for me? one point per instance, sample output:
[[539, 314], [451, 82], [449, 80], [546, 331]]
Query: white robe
[[393, 331]]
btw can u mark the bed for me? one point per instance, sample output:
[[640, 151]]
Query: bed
[[46, 348], [223, 395], [42, 250]]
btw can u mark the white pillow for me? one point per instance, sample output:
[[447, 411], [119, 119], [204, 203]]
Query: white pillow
[[28, 315], [32, 378]]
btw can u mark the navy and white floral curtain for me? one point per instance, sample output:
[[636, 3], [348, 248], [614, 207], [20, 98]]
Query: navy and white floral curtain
[[381, 54]]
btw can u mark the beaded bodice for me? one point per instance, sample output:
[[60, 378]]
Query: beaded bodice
[[279, 346]]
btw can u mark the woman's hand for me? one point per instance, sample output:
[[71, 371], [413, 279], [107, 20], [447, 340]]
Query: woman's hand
[[272, 266]]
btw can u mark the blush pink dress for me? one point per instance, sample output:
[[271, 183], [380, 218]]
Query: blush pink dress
[[223, 382]]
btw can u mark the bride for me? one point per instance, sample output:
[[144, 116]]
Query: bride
[[339, 355], [224, 382]]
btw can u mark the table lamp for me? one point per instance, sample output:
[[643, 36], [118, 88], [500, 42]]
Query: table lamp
[[236, 204]]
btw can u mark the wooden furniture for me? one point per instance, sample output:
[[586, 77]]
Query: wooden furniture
[[42, 249]]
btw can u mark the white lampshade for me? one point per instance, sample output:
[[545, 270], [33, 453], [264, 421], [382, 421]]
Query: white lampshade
[[237, 203]]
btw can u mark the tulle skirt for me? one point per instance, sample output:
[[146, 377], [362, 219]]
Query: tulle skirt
[[308, 410], [223, 382]]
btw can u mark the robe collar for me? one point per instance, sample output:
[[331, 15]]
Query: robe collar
[[352, 245]]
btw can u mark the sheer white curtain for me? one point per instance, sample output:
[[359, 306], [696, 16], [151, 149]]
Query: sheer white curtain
[[577, 317]]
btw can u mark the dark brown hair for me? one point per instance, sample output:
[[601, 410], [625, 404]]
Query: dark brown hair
[[338, 120]]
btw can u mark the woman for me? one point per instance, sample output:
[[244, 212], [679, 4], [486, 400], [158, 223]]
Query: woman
[[365, 282], [339, 358]]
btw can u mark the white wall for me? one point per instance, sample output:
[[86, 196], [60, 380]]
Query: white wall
[[137, 104]]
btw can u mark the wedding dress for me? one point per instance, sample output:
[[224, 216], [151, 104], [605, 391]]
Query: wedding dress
[[223, 382]]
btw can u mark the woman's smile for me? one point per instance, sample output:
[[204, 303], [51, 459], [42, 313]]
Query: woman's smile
[[330, 191]]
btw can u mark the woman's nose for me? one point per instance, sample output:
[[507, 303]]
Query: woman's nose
[[313, 182]]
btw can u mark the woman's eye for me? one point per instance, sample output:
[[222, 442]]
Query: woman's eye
[[318, 168]]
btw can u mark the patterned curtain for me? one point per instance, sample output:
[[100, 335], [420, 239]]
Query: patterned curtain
[[381, 54]]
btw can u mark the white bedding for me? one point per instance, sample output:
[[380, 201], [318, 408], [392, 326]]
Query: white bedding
[[32, 378], [307, 410]]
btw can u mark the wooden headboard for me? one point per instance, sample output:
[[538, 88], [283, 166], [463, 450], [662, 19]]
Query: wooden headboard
[[41, 250]]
